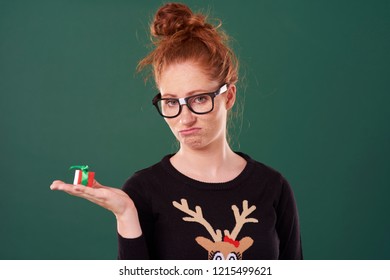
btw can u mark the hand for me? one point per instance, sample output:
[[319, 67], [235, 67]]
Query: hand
[[113, 199]]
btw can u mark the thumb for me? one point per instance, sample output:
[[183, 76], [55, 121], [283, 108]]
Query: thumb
[[96, 184]]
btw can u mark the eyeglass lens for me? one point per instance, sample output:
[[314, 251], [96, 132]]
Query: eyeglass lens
[[199, 104]]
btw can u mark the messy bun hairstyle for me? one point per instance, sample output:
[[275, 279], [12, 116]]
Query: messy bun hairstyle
[[180, 35]]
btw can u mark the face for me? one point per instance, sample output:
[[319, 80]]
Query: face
[[192, 130]]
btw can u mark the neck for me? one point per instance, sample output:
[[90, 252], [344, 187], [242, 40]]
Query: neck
[[210, 156], [213, 164]]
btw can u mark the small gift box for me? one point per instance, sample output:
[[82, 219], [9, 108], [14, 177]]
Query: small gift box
[[82, 176]]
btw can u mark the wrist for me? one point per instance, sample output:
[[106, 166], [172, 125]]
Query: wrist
[[128, 225]]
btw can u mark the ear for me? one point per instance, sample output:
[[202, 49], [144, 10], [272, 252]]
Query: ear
[[231, 96], [245, 243], [205, 243]]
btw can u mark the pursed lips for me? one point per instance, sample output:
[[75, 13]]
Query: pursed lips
[[189, 131]]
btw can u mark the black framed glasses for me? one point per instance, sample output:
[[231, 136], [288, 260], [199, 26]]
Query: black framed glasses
[[200, 104]]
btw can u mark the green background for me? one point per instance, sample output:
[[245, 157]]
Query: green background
[[314, 80]]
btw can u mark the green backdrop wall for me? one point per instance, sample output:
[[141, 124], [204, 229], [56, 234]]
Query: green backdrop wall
[[315, 83]]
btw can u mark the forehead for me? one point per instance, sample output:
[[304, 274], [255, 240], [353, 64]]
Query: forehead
[[183, 78]]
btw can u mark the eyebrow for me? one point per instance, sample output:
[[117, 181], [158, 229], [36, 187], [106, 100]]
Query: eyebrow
[[193, 92]]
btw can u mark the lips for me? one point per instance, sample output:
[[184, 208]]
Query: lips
[[189, 131]]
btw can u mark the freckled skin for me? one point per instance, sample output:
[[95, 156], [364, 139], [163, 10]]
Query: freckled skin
[[190, 79]]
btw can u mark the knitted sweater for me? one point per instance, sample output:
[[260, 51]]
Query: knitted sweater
[[253, 216]]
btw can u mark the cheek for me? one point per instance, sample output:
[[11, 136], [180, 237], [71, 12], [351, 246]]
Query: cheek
[[219, 114], [214, 123]]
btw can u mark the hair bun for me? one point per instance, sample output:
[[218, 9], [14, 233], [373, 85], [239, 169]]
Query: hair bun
[[174, 17]]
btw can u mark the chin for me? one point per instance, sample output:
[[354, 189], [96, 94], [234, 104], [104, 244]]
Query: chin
[[192, 142]]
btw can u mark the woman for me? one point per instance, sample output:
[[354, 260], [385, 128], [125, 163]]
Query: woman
[[205, 201]]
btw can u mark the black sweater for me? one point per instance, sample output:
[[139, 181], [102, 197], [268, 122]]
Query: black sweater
[[254, 216]]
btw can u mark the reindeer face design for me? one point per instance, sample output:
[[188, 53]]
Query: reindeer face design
[[218, 249]]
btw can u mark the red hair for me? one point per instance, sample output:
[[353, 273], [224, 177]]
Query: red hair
[[180, 35]]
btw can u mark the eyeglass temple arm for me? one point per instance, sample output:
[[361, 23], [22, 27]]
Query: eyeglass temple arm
[[222, 90], [182, 101]]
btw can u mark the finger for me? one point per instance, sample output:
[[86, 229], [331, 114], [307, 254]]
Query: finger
[[56, 185], [62, 186], [93, 194], [96, 184], [90, 191], [68, 188], [97, 194]]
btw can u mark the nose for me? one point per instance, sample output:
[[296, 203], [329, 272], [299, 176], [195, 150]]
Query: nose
[[186, 116]]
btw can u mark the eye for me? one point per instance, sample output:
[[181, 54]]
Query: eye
[[171, 102], [201, 99], [232, 257], [218, 256]]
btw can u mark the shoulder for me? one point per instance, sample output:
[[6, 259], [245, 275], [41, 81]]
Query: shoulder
[[146, 176], [262, 170], [271, 180]]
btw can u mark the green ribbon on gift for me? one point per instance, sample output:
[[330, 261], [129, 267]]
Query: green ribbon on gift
[[84, 173]]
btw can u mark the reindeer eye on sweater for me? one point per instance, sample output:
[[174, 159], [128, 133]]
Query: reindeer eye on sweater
[[232, 256], [216, 256]]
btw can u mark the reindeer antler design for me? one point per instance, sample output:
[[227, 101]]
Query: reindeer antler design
[[197, 216], [241, 219]]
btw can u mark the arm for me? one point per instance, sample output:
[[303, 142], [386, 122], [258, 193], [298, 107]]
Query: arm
[[143, 246], [287, 225], [113, 199]]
